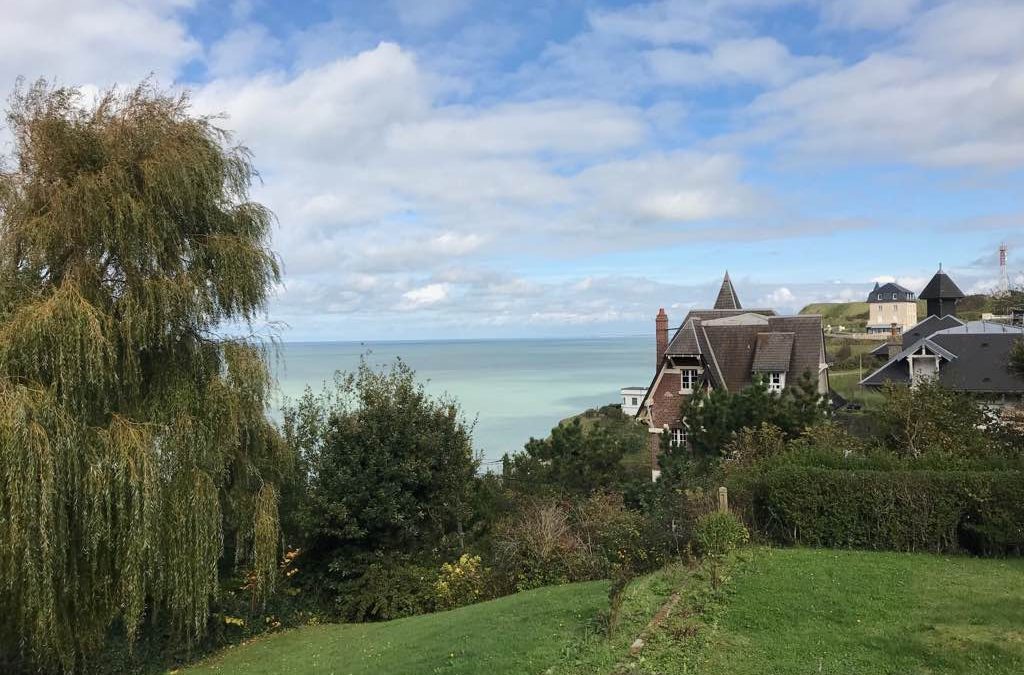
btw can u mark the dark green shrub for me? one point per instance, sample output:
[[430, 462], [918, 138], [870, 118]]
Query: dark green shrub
[[903, 510], [720, 533], [390, 588]]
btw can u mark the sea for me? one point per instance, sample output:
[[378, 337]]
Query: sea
[[513, 389]]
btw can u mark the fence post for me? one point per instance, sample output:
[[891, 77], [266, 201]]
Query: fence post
[[723, 499]]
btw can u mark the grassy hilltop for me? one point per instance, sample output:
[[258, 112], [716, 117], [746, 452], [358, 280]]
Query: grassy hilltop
[[854, 315]]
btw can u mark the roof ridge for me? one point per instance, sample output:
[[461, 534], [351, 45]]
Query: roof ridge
[[714, 359]]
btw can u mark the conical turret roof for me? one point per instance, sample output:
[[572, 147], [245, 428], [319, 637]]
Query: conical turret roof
[[941, 287], [727, 298]]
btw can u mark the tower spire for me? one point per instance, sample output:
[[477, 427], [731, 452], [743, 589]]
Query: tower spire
[[727, 298]]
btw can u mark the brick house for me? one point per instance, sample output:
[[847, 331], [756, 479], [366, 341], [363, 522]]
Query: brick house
[[726, 347]]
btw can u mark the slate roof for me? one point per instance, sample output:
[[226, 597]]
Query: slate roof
[[730, 342], [941, 287], [773, 352], [887, 291], [684, 341], [924, 328], [974, 359], [727, 298]]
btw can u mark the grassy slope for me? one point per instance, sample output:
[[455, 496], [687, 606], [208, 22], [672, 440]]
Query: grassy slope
[[596, 653], [846, 384], [849, 314], [523, 633], [855, 314], [783, 611], [821, 611]]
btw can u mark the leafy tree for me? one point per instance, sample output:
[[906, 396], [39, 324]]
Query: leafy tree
[[392, 477], [133, 438], [1007, 302], [931, 419], [714, 418], [578, 457]]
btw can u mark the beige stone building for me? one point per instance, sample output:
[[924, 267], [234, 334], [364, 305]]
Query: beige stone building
[[891, 304]]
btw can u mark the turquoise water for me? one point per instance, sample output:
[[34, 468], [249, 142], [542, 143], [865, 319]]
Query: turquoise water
[[514, 388]]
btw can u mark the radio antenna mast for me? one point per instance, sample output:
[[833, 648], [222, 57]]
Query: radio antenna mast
[[1004, 277]]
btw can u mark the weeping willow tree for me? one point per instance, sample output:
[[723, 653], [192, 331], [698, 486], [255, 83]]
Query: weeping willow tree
[[134, 444]]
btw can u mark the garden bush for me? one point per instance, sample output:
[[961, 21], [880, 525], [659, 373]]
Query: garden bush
[[904, 510], [393, 587], [720, 533], [460, 583], [551, 541]]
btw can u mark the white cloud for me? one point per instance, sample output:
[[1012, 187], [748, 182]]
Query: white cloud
[[248, 48], [583, 127], [94, 41], [761, 60], [913, 283], [339, 111], [868, 14], [677, 187], [970, 29], [780, 297], [431, 294], [949, 93]]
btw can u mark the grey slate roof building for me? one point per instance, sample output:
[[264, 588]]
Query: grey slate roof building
[[971, 357], [930, 324]]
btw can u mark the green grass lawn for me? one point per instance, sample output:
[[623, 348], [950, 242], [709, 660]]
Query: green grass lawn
[[823, 611], [778, 611], [845, 382], [523, 633]]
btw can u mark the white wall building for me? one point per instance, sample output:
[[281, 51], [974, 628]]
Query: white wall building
[[631, 398]]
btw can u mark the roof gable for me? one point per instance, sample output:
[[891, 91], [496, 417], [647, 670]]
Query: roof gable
[[773, 352]]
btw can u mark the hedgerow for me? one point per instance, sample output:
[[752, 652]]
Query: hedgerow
[[903, 510]]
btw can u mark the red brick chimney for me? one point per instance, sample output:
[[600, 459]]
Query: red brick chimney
[[895, 340], [661, 336]]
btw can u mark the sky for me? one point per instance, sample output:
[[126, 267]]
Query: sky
[[468, 169]]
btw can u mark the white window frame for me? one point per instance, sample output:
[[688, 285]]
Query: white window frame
[[694, 376], [679, 438], [776, 381]]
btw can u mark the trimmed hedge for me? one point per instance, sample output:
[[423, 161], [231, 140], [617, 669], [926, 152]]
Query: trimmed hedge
[[905, 510]]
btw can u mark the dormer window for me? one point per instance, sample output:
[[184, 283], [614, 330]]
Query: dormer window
[[688, 378], [775, 381], [679, 438]]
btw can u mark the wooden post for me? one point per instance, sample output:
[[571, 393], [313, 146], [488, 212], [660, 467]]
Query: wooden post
[[723, 499]]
